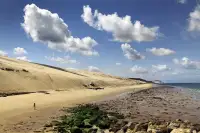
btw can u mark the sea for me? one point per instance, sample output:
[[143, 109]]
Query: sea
[[191, 88]]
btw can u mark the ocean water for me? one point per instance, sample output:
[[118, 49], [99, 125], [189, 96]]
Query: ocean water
[[191, 88]]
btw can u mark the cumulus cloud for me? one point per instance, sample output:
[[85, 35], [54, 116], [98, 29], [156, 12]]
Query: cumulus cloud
[[93, 69], [187, 63], [139, 70], [47, 27], [182, 1], [19, 51], [131, 53], [118, 64], [3, 53], [121, 28], [24, 58], [194, 20], [158, 68], [160, 51], [65, 60]]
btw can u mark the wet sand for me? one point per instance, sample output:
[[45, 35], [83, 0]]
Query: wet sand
[[161, 103]]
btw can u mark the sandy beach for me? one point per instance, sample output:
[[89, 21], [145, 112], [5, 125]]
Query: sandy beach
[[17, 113]]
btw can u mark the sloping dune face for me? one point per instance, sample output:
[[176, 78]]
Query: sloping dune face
[[21, 76]]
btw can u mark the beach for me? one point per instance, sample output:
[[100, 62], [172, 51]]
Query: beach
[[160, 103], [138, 104], [18, 115]]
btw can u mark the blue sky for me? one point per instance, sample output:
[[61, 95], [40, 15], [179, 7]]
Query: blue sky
[[167, 37]]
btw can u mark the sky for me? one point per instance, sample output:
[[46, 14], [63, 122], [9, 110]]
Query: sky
[[150, 39]]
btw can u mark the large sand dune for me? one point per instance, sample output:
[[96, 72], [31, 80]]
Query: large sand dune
[[21, 76]]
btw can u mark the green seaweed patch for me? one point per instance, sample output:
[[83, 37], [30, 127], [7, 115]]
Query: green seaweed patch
[[86, 118]]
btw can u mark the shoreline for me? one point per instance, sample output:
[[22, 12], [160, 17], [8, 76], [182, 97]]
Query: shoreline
[[159, 103]]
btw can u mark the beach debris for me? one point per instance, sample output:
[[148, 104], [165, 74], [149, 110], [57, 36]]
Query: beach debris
[[9, 69], [93, 86], [24, 70]]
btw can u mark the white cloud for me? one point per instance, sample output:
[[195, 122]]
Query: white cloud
[[182, 1], [121, 28], [3, 53], [176, 61], [24, 58], [187, 63], [157, 68], [160, 51], [118, 64], [93, 69], [19, 51], [64, 60], [194, 20], [131, 53], [71, 68], [139, 70], [46, 27], [176, 72]]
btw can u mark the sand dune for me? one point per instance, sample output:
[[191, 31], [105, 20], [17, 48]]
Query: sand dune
[[20, 76]]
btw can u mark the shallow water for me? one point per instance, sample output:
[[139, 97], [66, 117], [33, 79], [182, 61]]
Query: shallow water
[[192, 89]]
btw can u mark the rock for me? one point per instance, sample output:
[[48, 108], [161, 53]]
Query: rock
[[194, 131], [141, 132], [118, 126], [87, 123], [186, 121], [130, 131], [107, 131], [104, 124], [92, 130], [178, 121], [174, 125], [55, 123], [112, 118], [100, 131], [120, 131], [158, 129], [76, 130], [40, 130], [183, 125], [9, 69], [196, 127], [181, 130], [49, 130], [48, 125], [24, 70], [141, 127], [92, 84], [125, 128], [131, 125]]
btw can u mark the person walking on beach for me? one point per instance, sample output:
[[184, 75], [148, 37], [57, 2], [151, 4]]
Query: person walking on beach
[[34, 106]]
